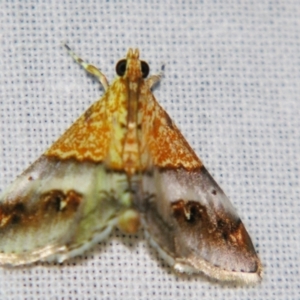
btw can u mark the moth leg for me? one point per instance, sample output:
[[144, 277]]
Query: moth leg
[[154, 79], [89, 68]]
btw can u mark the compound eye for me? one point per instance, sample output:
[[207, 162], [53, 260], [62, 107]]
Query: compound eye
[[121, 67], [145, 69]]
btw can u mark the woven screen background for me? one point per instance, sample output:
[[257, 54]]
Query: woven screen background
[[232, 85]]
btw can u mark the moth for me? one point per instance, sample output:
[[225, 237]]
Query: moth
[[124, 163]]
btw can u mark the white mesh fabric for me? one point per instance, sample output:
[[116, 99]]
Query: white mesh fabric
[[232, 84]]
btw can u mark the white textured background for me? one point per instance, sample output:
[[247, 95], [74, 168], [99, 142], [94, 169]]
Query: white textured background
[[232, 84]]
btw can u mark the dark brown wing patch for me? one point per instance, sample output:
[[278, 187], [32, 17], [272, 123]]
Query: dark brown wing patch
[[53, 204]]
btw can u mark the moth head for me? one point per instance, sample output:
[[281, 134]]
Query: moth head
[[132, 67]]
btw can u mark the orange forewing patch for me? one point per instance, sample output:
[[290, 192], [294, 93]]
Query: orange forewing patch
[[165, 143], [89, 138]]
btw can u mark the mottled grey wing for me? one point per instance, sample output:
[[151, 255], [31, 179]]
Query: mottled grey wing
[[193, 225]]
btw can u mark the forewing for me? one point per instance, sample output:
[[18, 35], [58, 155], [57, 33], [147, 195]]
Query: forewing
[[162, 144], [187, 216], [88, 139]]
